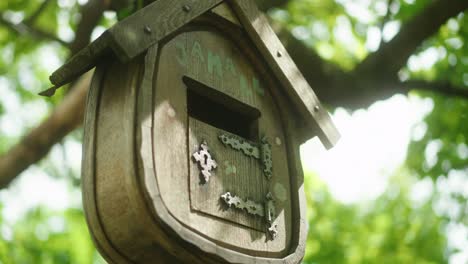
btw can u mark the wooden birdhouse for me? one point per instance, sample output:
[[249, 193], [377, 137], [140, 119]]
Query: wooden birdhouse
[[193, 124]]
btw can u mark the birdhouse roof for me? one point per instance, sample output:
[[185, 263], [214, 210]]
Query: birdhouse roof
[[137, 33]]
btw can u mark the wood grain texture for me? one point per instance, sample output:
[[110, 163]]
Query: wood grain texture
[[171, 98], [138, 146], [224, 11], [83, 61], [114, 165], [133, 35], [161, 18], [236, 173], [292, 140], [121, 224], [100, 175], [297, 88], [96, 229], [169, 234], [290, 121]]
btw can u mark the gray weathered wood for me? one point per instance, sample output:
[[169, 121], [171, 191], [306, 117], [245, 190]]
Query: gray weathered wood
[[118, 217], [244, 181], [132, 36], [286, 71], [88, 165], [142, 192], [168, 122], [224, 11], [83, 61], [135, 34]]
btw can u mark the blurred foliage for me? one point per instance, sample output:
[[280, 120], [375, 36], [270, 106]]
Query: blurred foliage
[[387, 230], [439, 149], [391, 229], [48, 237]]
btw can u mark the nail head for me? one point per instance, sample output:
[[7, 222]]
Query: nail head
[[147, 29], [186, 8]]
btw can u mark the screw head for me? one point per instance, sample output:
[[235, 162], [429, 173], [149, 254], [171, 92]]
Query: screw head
[[317, 108], [279, 54], [186, 8], [147, 29]]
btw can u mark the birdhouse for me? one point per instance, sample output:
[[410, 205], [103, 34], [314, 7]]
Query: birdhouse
[[193, 124]]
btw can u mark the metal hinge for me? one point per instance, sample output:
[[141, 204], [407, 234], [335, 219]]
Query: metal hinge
[[266, 210], [250, 149]]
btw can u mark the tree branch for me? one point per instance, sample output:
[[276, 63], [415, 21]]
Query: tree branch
[[66, 117], [444, 88], [264, 5], [392, 56], [386, 18], [324, 77], [24, 29], [38, 142], [31, 19], [91, 13]]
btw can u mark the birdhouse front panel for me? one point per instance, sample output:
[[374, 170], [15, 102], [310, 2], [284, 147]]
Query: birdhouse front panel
[[193, 124], [219, 144]]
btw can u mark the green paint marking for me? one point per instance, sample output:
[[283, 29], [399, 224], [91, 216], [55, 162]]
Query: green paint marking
[[182, 54], [197, 51], [229, 65], [214, 63], [244, 87], [230, 169], [257, 88], [218, 65]]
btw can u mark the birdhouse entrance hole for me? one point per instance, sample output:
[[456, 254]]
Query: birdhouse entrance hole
[[220, 110]]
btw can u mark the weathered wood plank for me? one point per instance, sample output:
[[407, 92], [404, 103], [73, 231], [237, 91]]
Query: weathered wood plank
[[144, 194], [135, 34], [122, 226], [167, 246], [291, 140], [244, 181], [223, 10], [88, 170], [82, 62], [114, 164], [131, 36], [181, 57], [285, 69]]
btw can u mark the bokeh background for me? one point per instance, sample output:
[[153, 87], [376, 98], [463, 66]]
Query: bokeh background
[[393, 73]]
